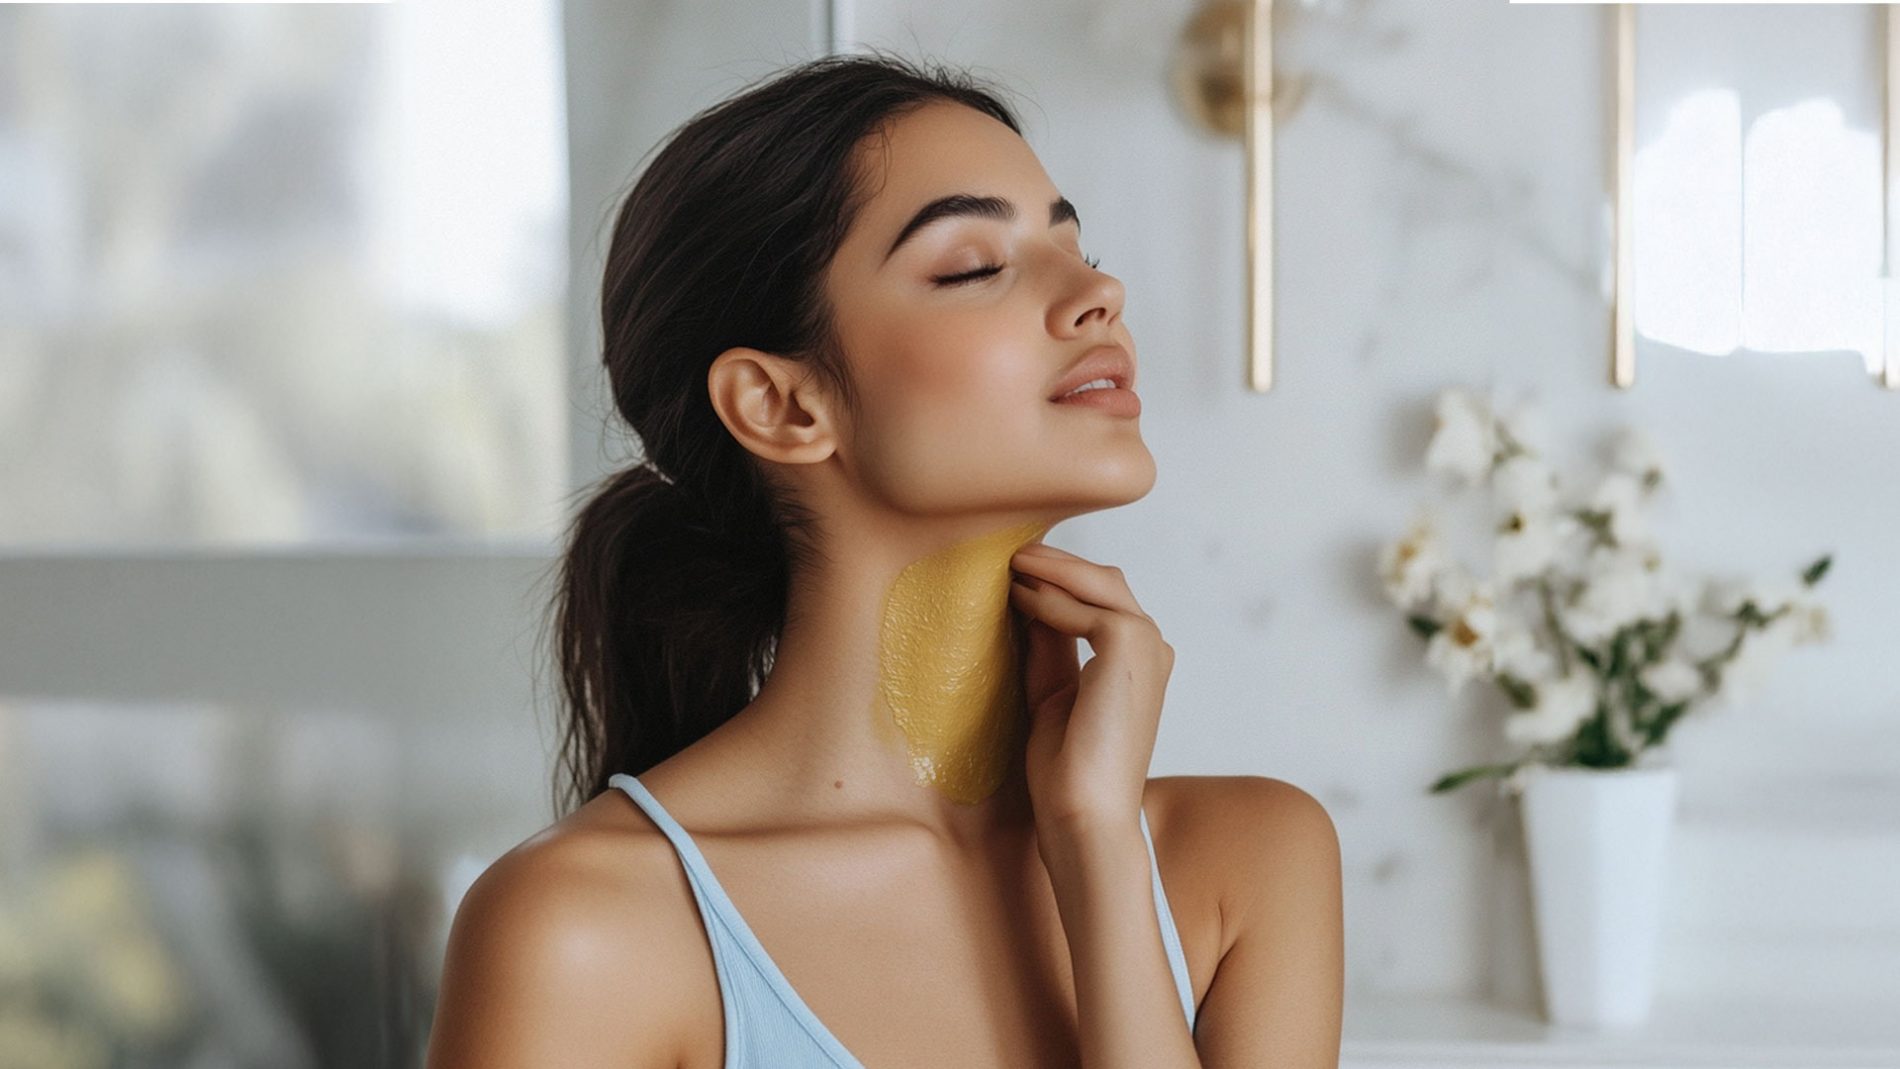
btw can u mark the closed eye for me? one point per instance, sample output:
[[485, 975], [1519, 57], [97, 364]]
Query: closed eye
[[990, 269], [968, 276]]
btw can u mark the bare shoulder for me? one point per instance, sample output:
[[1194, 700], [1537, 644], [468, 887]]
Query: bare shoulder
[[568, 949], [1259, 835], [1270, 852]]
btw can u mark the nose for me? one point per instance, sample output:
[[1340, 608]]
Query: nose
[[1092, 295]]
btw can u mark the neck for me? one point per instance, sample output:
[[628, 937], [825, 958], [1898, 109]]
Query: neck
[[897, 685], [950, 664]]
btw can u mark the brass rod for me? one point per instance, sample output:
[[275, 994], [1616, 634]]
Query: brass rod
[[1622, 304], [1258, 93]]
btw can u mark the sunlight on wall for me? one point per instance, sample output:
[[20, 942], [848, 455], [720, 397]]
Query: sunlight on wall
[[1688, 255], [1767, 239]]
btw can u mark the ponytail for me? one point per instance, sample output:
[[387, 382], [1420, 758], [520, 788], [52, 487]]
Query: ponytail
[[667, 618]]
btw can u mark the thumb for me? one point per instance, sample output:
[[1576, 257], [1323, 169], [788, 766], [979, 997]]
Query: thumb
[[1051, 663], [1047, 720]]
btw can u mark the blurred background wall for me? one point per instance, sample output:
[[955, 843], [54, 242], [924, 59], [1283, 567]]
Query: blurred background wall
[[297, 332]]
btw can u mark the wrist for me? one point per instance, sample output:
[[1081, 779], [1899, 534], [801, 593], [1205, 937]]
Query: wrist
[[1088, 845]]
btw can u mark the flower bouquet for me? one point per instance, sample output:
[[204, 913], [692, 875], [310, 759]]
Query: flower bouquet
[[1598, 649]]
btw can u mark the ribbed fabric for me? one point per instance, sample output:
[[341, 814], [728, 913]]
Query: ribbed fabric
[[768, 1026]]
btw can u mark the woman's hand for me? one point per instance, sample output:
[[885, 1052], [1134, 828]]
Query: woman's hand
[[1092, 726]]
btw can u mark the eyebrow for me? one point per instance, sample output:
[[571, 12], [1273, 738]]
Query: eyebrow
[[962, 204]]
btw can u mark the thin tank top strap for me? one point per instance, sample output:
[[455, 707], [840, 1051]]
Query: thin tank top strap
[[705, 892], [733, 941], [683, 844], [1170, 936]]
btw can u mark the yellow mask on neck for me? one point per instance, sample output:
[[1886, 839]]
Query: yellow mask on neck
[[949, 664]]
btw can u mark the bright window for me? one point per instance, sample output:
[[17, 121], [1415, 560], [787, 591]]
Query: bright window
[[281, 274]]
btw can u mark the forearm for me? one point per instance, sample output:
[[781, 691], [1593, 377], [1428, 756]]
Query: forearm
[[1128, 1013]]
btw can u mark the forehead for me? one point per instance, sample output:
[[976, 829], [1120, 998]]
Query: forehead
[[938, 149]]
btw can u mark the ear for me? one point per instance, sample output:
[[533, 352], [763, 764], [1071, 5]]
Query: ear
[[774, 406]]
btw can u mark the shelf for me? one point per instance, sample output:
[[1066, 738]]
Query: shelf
[[1391, 1032]]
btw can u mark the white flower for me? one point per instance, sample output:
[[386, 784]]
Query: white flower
[[1575, 544], [1724, 596], [1526, 546], [1621, 495], [1620, 588], [1454, 585], [1636, 455], [1704, 634], [1464, 440], [1516, 651], [1562, 704], [1808, 621], [1524, 484], [1408, 567], [1671, 679], [1461, 648]]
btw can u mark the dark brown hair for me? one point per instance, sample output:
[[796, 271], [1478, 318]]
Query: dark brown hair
[[672, 589]]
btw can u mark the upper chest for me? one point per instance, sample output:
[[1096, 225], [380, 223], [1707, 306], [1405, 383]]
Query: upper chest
[[912, 957]]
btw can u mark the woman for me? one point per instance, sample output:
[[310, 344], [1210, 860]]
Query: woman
[[841, 793]]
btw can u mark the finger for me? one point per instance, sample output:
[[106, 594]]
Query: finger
[[1099, 584], [1044, 547], [1057, 552], [1072, 616]]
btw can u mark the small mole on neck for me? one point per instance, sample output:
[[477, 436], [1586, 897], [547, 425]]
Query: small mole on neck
[[837, 783]]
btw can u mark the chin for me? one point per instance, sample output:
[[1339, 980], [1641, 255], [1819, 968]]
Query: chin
[[1105, 482]]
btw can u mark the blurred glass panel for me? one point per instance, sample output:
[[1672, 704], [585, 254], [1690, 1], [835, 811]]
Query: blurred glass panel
[[191, 886], [281, 274], [1757, 188]]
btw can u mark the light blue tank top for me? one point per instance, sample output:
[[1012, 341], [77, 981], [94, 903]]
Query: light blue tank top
[[768, 1026]]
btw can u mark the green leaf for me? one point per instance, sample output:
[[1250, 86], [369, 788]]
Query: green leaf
[[1597, 746], [1423, 626], [1667, 715], [1522, 694], [1618, 655], [1458, 779], [1813, 573], [1672, 626]]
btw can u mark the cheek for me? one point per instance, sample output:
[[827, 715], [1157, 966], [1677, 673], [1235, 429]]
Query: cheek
[[956, 416], [965, 372]]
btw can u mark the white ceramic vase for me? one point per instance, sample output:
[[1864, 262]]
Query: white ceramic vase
[[1598, 845]]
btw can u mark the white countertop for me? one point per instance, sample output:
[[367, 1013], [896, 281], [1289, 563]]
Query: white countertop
[[1391, 1032]]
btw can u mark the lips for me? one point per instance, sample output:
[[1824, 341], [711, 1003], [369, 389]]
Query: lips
[[1102, 362]]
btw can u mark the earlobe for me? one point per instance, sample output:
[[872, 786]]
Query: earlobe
[[771, 404]]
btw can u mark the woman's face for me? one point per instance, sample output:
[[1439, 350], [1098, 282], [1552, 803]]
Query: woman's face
[[955, 377]]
